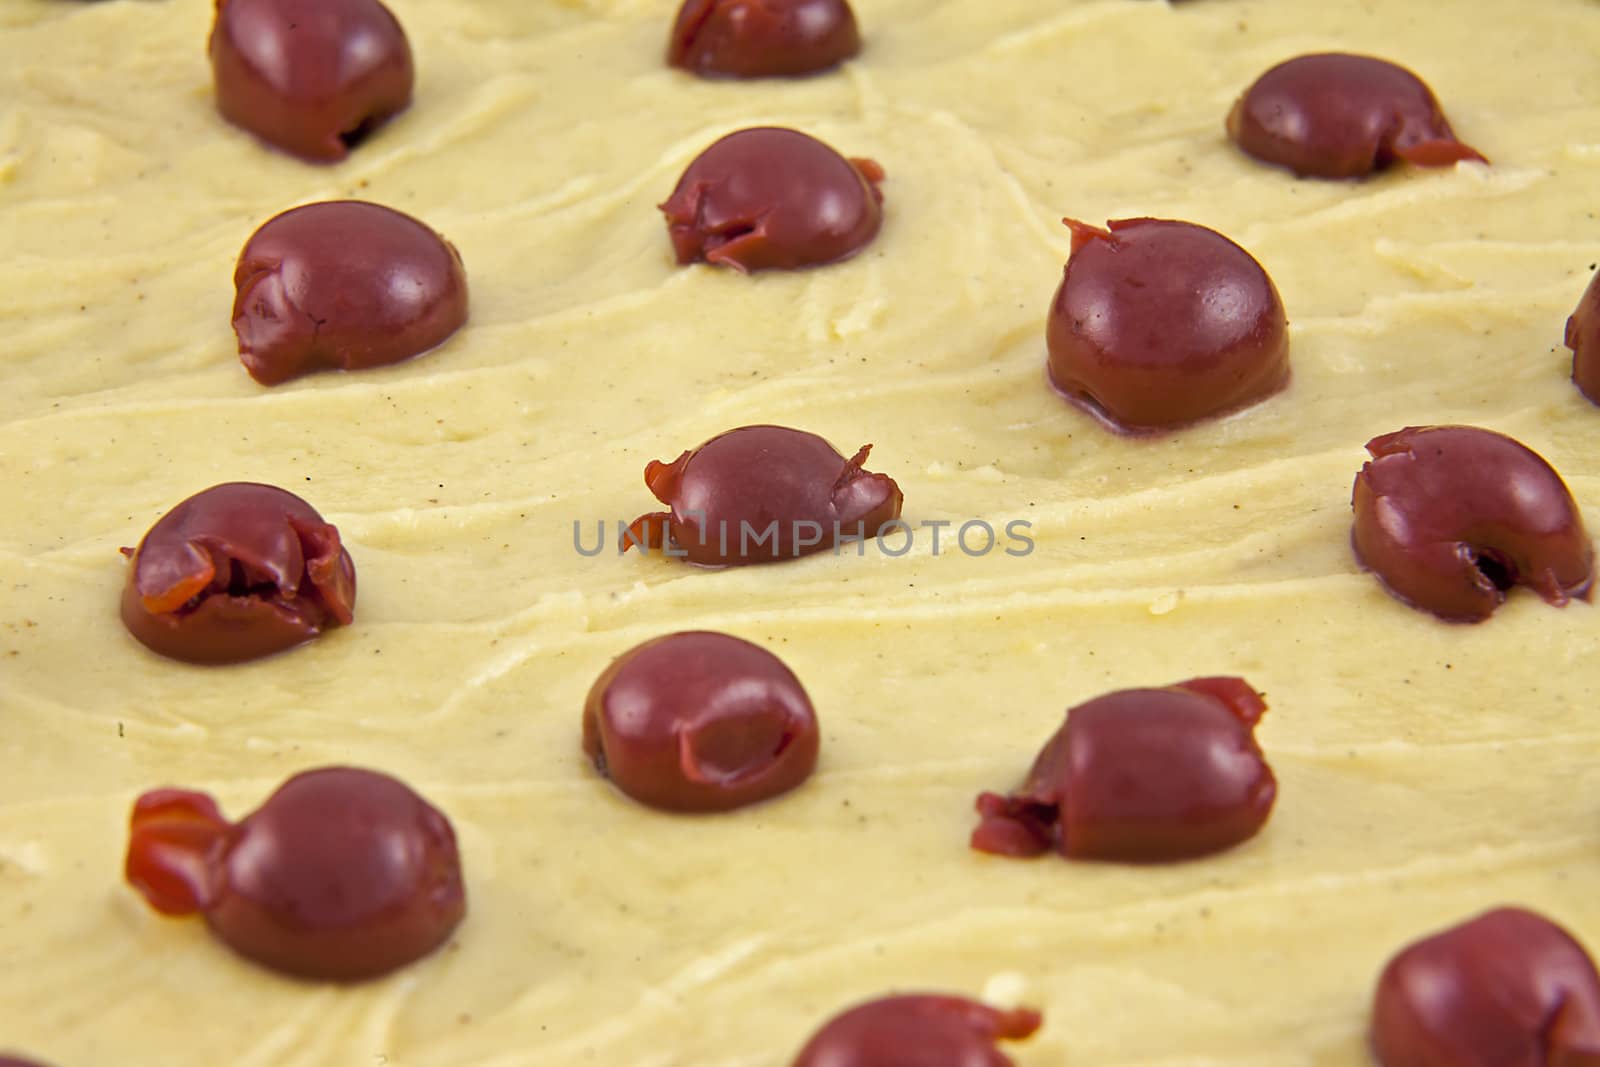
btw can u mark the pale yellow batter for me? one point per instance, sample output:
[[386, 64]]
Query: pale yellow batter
[[1426, 771]]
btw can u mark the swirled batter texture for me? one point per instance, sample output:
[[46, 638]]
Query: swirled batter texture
[[1426, 771]]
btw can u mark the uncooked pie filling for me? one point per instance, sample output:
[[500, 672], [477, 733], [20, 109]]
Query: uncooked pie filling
[[1427, 772]]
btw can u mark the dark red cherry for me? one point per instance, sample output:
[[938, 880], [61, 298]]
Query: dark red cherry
[[311, 77], [1507, 989], [1334, 115], [759, 494], [1141, 775], [918, 1030], [343, 285], [343, 874], [762, 38], [770, 198], [1450, 518], [1583, 337], [700, 721], [1159, 323], [17, 1061], [237, 571]]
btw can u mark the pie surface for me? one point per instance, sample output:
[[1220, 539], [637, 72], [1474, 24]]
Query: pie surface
[[1426, 771]]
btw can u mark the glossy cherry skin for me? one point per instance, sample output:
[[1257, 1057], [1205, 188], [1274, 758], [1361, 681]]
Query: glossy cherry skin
[[1159, 323], [759, 494], [1507, 989], [343, 285], [343, 874], [310, 77], [1583, 337], [762, 38], [235, 572], [1334, 115], [16, 1061], [770, 198], [1452, 517], [698, 722], [1141, 775], [918, 1030]]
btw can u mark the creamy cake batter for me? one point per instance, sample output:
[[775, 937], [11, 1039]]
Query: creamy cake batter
[[1426, 771]]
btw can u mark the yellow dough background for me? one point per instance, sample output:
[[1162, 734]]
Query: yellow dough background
[[1427, 771]]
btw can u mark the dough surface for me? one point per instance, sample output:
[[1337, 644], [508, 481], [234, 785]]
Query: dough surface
[[1427, 771]]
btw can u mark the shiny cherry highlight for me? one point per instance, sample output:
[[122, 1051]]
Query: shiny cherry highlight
[[770, 198], [762, 38], [1509, 988], [1159, 323], [1336, 115], [1452, 518], [1141, 775], [235, 572], [343, 285], [343, 874], [918, 1030], [759, 494], [310, 77], [699, 722]]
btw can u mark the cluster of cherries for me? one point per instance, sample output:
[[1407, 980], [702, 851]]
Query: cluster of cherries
[[345, 874]]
